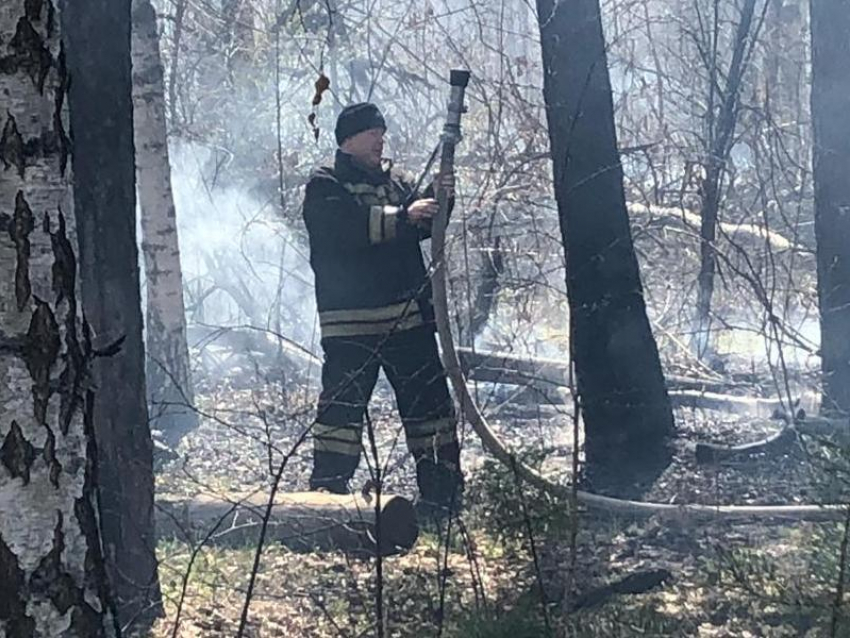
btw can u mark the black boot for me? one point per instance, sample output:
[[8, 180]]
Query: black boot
[[332, 472], [440, 483], [332, 485]]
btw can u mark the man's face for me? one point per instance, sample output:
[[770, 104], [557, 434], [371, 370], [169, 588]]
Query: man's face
[[367, 147]]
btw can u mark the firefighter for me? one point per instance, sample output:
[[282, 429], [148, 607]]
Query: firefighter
[[365, 224]]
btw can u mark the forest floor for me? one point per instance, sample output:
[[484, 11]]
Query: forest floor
[[719, 579]]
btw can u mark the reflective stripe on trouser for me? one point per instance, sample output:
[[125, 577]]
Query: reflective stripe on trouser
[[382, 320], [338, 439], [412, 365], [435, 449], [430, 434]]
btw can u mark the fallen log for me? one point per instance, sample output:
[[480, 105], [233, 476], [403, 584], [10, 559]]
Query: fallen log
[[776, 443], [639, 582], [512, 369], [301, 521], [752, 235], [760, 407], [549, 377], [263, 343], [823, 426]]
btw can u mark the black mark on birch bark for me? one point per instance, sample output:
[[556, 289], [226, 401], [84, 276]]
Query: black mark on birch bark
[[49, 455], [17, 152], [12, 151], [70, 382], [13, 607], [75, 372], [32, 10], [62, 140], [19, 232], [51, 18], [95, 569], [64, 269], [50, 580], [40, 353], [13, 345], [29, 54], [17, 454]]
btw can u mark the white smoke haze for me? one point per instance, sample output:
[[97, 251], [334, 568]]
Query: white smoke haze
[[243, 270], [250, 246]]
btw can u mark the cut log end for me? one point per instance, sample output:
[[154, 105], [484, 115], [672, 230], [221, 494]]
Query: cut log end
[[399, 527]]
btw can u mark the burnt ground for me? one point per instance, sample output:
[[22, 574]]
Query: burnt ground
[[725, 578]]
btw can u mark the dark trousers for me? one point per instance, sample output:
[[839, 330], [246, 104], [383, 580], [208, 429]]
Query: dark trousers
[[412, 364]]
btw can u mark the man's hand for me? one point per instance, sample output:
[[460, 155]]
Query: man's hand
[[422, 210]]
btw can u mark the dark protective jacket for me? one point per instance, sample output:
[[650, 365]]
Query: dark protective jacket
[[365, 253]]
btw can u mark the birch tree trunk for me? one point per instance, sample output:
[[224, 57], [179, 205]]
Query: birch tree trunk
[[830, 88], [626, 410], [52, 576], [168, 374], [101, 109]]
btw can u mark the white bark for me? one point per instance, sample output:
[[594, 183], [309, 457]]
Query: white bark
[[169, 378], [51, 571]]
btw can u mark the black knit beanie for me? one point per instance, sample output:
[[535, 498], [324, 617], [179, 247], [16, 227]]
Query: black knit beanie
[[357, 118]]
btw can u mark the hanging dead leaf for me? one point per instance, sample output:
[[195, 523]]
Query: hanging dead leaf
[[322, 84]]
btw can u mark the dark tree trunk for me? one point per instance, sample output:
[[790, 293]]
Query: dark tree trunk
[[830, 89], [626, 410], [720, 138], [102, 131]]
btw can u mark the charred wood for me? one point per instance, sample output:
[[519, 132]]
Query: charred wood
[[777, 443], [638, 582]]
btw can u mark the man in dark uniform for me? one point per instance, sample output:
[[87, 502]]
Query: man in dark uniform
[[374, 299]]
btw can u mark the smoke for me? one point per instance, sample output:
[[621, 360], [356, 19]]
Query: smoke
[[243, 267], [239, 245]]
